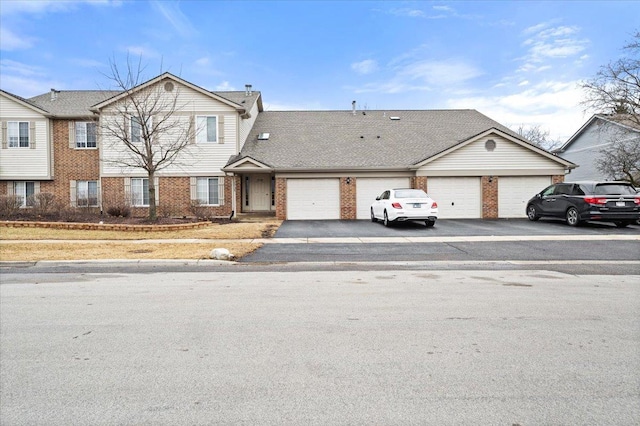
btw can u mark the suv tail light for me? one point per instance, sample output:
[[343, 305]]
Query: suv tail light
[[434, 205], [595, 200], [636, 200], [396, 205]]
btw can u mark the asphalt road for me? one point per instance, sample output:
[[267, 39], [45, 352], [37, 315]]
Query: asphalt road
[[530, 347]]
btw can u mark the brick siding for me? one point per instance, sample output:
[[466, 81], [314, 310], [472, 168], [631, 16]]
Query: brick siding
[[489, 197], [281, 198], [69, 164], [348, 208]]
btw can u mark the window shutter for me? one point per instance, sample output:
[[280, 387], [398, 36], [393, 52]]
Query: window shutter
[[72, 134], [36, 187], [73, 192], [99, 189], [127, 130], [194, 188], [221, 129], [221, 190], [156, 184], [127, 190], [10, 188], [193, 129], [32, 135], [4, 135]]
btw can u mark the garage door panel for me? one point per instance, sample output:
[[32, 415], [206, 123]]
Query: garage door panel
[[368, 189], [313, 199], [515, 191], [457, 197]]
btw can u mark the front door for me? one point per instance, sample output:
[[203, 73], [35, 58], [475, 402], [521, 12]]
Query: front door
[[259, 189]]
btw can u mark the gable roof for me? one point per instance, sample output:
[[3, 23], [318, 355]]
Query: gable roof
[[71, 103], [621, 120], [169, 76], [342, 140], [25, 102]]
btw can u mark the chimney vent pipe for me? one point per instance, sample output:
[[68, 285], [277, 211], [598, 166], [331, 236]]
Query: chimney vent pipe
[[353, 107]]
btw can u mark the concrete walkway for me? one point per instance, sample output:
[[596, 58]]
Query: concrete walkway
[[348, 240]]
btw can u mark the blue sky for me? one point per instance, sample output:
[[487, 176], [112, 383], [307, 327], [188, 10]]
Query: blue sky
[[518, 62]]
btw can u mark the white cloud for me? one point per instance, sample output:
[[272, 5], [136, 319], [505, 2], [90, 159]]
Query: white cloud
[[553, 105], [141, 51], [178, 20], [225, 86], [545, 43], [7, 66], [44, 6], [11, 41], [27, 87], [439, 73], [367, 66]]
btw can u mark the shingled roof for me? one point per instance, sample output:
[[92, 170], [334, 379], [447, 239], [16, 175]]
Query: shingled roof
[[336, 140], [71, 103]]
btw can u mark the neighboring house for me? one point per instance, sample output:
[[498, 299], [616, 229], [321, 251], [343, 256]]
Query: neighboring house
[[332, 164], [293, 164], [597, 134]]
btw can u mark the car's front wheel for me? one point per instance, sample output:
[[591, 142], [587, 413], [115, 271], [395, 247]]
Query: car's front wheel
[[385, 221], [373, 217], [573, 218], [532, 213]]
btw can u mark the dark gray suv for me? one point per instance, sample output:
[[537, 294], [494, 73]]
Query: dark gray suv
[[576, 202]]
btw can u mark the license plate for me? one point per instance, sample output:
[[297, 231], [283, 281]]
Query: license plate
[[417, 206], [620, 204]]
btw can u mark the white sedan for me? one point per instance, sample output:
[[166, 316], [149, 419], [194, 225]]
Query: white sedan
[[399, 205]]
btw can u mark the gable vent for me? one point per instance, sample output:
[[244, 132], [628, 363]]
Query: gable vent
[[394, 118], [263, 136]]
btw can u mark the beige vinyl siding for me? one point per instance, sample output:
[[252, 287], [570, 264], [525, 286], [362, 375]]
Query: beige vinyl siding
[[13, 110], [246, 125], [475, 159], [28, 163], [197, 159]]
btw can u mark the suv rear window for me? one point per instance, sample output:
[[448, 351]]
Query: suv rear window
[[613, 189]]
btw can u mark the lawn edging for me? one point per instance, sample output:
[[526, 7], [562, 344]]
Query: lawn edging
[[103, 226]]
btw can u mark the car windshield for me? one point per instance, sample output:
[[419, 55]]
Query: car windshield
[[410, 193], [614, 189]]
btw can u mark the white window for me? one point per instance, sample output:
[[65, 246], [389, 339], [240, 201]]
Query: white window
[[210, 191], [136, 129], [207, 128], [85, 135], [18, 134], [24, 190], [87, 193], [139, 192]]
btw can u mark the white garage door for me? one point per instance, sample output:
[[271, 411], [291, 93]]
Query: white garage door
[[313, 199], [369, 188], [515, 191], [457, 197]]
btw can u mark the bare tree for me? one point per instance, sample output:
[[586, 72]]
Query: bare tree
[[616, 87], [143, 127], [622, 161], [615, 90], [538, 136]]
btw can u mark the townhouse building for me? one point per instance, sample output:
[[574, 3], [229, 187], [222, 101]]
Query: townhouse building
[[239, 158]]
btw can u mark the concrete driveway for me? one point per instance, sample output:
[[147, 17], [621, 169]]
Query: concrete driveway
[[449, 241], [443, 228]]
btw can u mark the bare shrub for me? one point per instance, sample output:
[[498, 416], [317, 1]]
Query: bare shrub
[[201, 211], [166, 210], [42, 203], [117, 206], [10, 206]]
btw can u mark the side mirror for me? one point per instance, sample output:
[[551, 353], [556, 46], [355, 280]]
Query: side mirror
[[378, 198], [539, 195]]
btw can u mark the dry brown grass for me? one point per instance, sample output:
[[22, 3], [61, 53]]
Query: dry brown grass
[[118, 250], [121, 244], [230, 231]]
